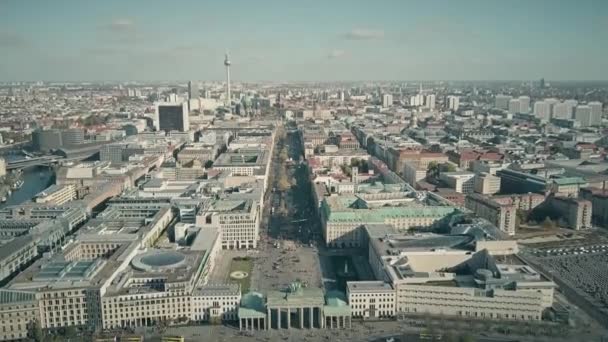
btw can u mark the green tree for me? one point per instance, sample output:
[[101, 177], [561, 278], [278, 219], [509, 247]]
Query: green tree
[[283, 182], [449, 337], [283, 156], [432, 169], [208, 164], [38, 334], [70, 332], [548, 223], [449, 167], [466, 338]]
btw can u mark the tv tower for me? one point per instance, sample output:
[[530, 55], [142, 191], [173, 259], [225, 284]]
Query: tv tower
[[227, 64]]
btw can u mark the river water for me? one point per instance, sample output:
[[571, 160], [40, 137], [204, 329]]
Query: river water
[[35, 179]]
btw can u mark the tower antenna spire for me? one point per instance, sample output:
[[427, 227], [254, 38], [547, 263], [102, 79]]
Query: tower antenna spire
[[227, 65]]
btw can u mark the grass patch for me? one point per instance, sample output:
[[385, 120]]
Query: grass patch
[[243, 265]]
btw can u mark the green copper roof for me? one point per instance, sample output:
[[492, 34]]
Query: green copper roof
[[13, 297], [569, 181], [336, 304], [380, 215]]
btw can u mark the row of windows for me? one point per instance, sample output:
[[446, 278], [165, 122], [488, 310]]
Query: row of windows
[[63, 294], [380, 306]]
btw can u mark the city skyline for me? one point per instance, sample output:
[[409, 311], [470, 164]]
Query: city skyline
[[340, 41]]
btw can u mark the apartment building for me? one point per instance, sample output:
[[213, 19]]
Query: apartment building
[[57, 194], [575, 212], [501, 215]]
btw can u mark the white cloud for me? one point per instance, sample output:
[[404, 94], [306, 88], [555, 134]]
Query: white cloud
[[364, 34], [120, 25], [10, 39], [336, 53]]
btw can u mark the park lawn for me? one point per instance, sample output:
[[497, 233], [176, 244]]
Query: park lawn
[[245, 265]]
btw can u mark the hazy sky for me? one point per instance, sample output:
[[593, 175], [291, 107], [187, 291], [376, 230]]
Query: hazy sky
[[303, 39]]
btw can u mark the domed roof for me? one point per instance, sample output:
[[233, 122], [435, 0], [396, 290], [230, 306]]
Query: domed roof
[[157, 260]]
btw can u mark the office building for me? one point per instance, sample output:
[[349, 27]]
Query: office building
[[418, 276], [373, 299], [193, 92], [567, 186], [46, 140], [113, 153], [172, 117], [243, 163], [236, 220], [486, 184], [502, 101], [343, 216], [461, 182], [72, 137]]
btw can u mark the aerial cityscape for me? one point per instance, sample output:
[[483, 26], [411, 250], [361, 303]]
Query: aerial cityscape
[[290, 175]]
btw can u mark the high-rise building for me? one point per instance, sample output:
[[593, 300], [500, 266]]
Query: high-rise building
[[514, 106], [193, 92], [502, 101], [72, 137], [430, 101], [562, 110], [2, 167], [542, 110], [584, 115], [415, 101], [46, 140], [552, 102], [172, 98], [542, 83], [387, 100], [171, 117], [453, 102], [571, 105], [524, 104], [596, 111], [112, 152], [193, 96]]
